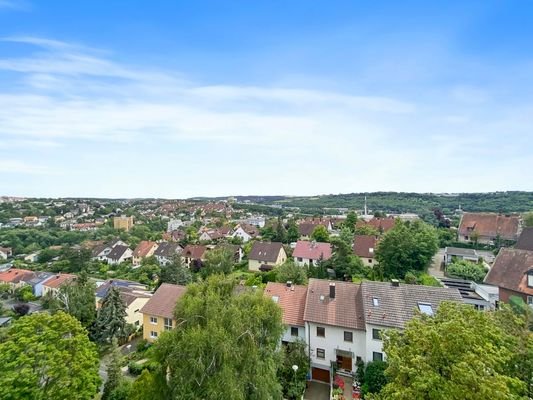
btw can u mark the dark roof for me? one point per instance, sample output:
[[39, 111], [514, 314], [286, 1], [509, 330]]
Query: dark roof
[[398, 304], [307, 228], [117, 252], [525, 241], [362, 245], [464, 287], [102, 290], [491, 225], [193, 251], [265, 251], [167, 249], [163, 302], [291, 300], [98, 249], [509, 270], [345, 310]]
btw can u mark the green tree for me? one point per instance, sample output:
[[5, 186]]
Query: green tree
[[351, 220], [78, 299], [281, 232], [114, 373], [293, 383], [366, 229], [110, 322], [407, 246], [346, 235], [47, 356], [218, 261], [528, 219], [289, 271], [24, 293], [292, 232], [175, 272], [374, 377], [467, 270], [459, 353], [345, 263], [219, 349], [320, 234], [148, 386]]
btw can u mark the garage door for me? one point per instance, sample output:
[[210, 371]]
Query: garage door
[[320, 374]]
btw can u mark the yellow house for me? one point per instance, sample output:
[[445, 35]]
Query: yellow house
[[264, 256], [158, 312], [123, 222]]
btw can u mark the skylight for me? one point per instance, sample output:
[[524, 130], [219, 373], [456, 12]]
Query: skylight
[[275, 298], [425, 308], [375, 301]]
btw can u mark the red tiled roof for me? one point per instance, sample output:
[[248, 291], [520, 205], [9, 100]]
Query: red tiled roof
[[381, 224], [345, 310], [363, 244], [491, 225], [509, 270], [15, 275], [290, 299], [193, 251], [163, 302], [143, 248], [57, 280], [312, 250]]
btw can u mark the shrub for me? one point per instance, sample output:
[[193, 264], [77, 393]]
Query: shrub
[[410, 278], [135, 368], [21, 309], [467, 270], [142, 345]]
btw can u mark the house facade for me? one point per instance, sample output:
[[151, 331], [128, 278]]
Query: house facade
[[158, 312], [145, 248], [308, 253], [5, 253], [266, 256], [457, 253], [119, 254], [364, 246], [123, 222], [52, 285], [166, 251], [488, 228]]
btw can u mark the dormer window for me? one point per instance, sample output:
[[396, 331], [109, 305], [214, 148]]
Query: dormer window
[[530, 278]]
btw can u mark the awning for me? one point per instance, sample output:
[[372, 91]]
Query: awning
[[344, 353]]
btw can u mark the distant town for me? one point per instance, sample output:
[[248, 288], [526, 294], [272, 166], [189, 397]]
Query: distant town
[[321, 295]]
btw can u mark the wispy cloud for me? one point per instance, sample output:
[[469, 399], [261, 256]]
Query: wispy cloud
[[17, 5]]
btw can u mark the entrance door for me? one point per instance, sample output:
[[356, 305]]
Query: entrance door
[[344, 362]]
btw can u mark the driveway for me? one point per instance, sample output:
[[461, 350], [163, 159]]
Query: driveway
[[434, 269], [317, 391]]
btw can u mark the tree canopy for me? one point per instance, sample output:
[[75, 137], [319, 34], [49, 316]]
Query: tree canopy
[[218, 261], [320, 234], [111, 319], [47, 356], [467, 270], [289, 271], [225, 345]]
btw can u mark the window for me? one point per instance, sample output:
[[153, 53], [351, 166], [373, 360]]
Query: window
[[153, 320], [294, 331], [348, 336], [168, 324], [530, 278], [300, 259], [136, 323], [320, 331], [275, 299], [376, 334], [377, 356], [479, 307], [530, 300], [320, 353], [370, 261], [425, 308], [153, 334], [375, 301]]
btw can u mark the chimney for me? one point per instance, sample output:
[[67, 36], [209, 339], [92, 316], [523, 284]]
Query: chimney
[[332, 290], [395, 282], [289, 284]]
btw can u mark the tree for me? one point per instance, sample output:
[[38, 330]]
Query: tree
[[467, 270], [320, 234], [218, 261], [528, 219], [24, 293], [459, 353], [345, 263], [175, 272], [366, 229], [281, 232], [111, 319], [351, 220], [114, 373], [374, 377], [292, 232], [293, 382], [47, 356], [289, 271], [220, 349], [77, 298], [21, 309], [148, 386], [407, 246], [346, 235]]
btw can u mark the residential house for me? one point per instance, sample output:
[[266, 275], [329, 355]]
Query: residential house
[[174, 225], [525, 241], [37, 280], [16, 277], [382, 225], [310, 253], [335, 327], [210, 235], [264, 256], [194, 255], [481, 297], [291, 299], [123, 222], [145, 248], [100, 252], [31, 258], [119, 254], [487, 228], [5, 253], [85, 226], [166, 251], [257, 220], [236, 250], [458, 253], [158, 312], [512, 273], [133, 294], [245, 232], [306, 228], [364, 246], [174, 236], [52, 285]]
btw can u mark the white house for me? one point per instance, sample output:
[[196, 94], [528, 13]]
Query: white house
[[119, 254], [101, 252], [5, 252], [241, 234], [310, 253], [174, 224]]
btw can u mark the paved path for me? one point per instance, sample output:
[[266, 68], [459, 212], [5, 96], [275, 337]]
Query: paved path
[[434, 269], [317, 391]]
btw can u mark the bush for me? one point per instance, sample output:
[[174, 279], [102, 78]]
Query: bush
[[467, 270], [21, 309], [135, 368], [410, 278], [142, 345]]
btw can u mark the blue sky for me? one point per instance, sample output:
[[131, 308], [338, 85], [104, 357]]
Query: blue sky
[[207, 98]]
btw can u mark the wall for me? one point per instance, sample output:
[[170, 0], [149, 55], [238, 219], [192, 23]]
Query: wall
[[373, 344], [287, 337], [134, 315], [148, 326]]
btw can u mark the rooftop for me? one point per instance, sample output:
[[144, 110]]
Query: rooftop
[[163, 301]]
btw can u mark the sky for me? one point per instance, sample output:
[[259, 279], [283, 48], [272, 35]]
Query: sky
[[181, 99]]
